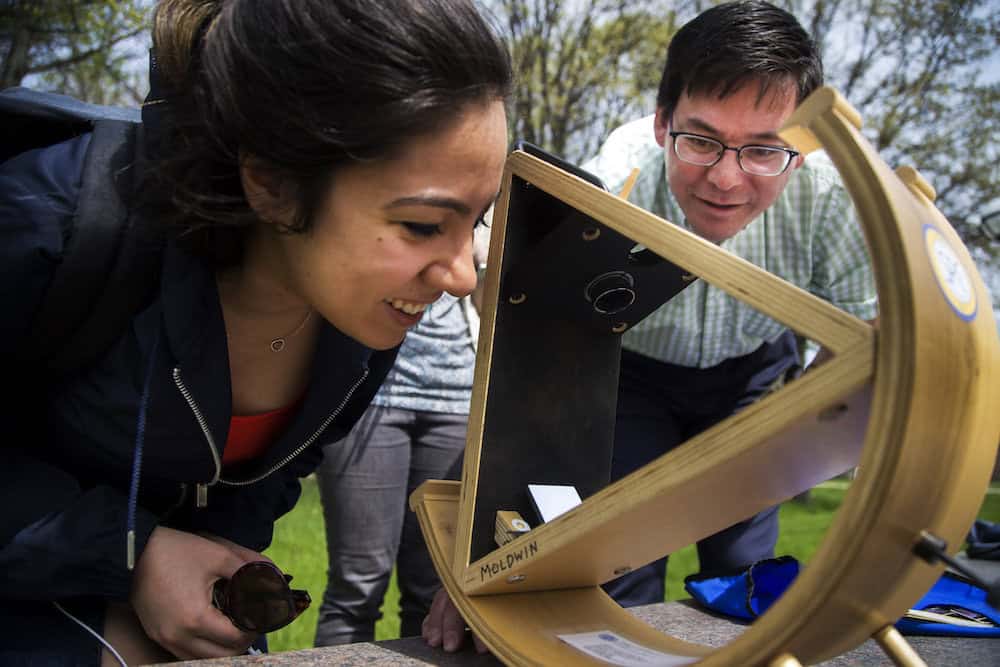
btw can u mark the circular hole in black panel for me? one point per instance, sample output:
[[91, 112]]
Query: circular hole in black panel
[[611, 292], [614, 300]]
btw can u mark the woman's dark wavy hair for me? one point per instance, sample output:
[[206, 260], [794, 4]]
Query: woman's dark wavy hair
[[736, 43], [305, 86]]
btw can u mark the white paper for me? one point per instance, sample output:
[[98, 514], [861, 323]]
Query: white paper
[[551, 500], [616, 650]]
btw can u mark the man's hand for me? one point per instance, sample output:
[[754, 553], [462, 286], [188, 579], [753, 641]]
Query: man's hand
[[172, 593], [444, 626]]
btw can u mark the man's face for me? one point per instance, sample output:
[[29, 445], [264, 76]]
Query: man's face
[[720, 200]]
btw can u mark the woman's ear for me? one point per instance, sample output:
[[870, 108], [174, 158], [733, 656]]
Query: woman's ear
[[267, 190]]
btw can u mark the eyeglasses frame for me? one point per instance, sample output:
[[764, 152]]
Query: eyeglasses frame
[[792, 154]]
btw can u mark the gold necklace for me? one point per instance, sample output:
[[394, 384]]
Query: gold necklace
[[278, 344]]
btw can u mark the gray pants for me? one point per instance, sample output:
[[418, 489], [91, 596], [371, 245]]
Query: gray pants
[[364, 482]]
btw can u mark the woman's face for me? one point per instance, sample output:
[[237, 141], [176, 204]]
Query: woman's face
[[392, 236]]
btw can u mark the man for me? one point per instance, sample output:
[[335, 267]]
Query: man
[[712, 162]]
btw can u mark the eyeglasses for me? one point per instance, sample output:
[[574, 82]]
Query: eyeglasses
[[753, 159], [257, 598]]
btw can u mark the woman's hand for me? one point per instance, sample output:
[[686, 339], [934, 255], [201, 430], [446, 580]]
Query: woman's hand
[[444, 626], [241, 552], [172, 593]]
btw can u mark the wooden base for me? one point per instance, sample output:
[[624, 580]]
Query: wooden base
[[524, 628]]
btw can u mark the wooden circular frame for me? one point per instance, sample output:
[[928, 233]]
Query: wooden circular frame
[[914, 404]]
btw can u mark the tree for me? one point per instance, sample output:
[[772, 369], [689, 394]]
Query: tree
[[917, 73], [582, 68], [86, 48]]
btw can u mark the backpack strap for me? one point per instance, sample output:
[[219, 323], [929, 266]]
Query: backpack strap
[[110, 264], [32, 118], [111, 261], [132, 278]]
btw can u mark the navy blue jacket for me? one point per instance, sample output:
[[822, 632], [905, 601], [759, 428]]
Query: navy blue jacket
[[64, 496]]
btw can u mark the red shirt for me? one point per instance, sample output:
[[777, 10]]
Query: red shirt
[[251, 435]]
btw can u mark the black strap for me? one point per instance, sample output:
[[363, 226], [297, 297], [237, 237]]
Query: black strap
[[32, 119], [110, 264]]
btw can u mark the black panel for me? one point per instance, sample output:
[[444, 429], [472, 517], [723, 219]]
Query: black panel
[[552, 394]]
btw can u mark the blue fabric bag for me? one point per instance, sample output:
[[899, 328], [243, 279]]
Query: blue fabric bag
[[952, 591], [746, 594]]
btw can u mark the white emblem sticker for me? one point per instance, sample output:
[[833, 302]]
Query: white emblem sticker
[[954, 280]]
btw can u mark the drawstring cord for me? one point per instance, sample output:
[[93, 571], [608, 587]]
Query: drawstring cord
[[140, 438]]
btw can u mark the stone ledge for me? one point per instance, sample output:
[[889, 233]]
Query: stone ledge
[[680, 619]]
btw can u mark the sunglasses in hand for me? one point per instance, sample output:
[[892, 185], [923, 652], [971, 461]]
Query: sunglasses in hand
[[257, 598]]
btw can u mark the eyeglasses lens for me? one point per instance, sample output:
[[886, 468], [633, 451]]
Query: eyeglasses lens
[[697, 150], [763, 160]]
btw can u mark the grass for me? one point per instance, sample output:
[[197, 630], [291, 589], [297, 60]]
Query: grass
[[300, 548]]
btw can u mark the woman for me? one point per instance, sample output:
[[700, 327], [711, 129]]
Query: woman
[[319, 166]]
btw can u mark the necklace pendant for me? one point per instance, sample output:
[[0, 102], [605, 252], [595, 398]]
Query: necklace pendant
[[278, 344]]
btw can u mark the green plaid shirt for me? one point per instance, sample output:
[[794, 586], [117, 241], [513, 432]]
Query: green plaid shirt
[[809, 237]]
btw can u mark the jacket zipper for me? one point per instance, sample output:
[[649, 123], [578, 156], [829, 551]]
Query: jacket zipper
[[311, 439], [202, 489]]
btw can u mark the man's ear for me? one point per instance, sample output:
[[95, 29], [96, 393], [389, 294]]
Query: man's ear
[[661, 126], [266, 189]]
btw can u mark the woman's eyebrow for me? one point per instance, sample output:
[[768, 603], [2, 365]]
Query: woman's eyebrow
[[449, 203]]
